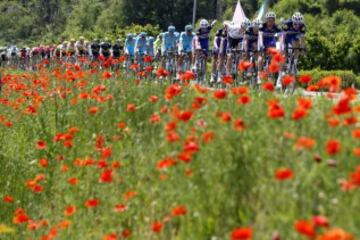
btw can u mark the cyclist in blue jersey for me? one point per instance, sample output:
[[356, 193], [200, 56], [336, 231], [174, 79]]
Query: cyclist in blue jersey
[[185, 48], [150, 47], [201, 41], [169, 43], [129, 46], [267, 37], [140, 46], [293, 33]]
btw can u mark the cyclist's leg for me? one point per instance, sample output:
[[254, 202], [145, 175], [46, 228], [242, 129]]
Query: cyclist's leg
[[214, 64]]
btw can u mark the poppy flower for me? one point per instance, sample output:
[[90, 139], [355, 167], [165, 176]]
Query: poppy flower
[[245, 99], [305, 79], [41, 145], [268, 86], [240, 90], [157, 226], [228, 79], [179, 211], [208, 136], [70, 210], [111, 236], [187, 76], [244, 66], [278, 58], [284, 174], [275, 110], [73, 180], [239, 125], [43, 163], [320, 221], [131, 107], [161, 72], [336, 234], [155, 118], [8, 199], [242, 234], [92, 203], [220, 94], [126, 233], [287, 80], [120, 208], [333, 146], [305, 228], [305, 143], [153, 99], [342, 107], [274, 67], [299, 113], [107, 75], [93, 110], [184, 116], [106, 176], [165, 163], [148, 59]]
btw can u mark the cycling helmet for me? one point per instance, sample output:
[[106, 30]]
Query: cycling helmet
[[81, 38], [160, 36], [270, 15], [151, 39], [72, 40], [171, 29], [298, 18], [204, 23], [188, 28], [246, 23], [143, 34], [256, 23]]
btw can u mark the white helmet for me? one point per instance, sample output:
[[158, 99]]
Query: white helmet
[[270, 15], [298, 18], [256, 23], [246, 23], [204, 23]]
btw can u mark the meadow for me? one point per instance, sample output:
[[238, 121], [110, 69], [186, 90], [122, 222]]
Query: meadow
[[89, 154]]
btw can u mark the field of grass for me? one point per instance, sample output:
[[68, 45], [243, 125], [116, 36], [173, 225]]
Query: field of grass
[[90, 155]]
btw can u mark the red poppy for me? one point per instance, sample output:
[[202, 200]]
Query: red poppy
[[41, 144], [220, 94], [228, 79], [274, 67], [70, 210], [320, 221], [244, 100], [242, 234], [333, 146], [268, 86], [240, 90], [131, 107], [166, 163], [147, 59], [305, 228], [244, 65], [157, 226], [107, 75], [92, 203], [305, 79], [179, 211], [43, 163], [299, 113], [187, 76], [8, 199], [342, 107], [184, 116], [305, 143], [106, 176], [275, 110], [287, 80], [239, 124], [278, 58], [284, 174], [126, 233], [93, 110], [120, 208]]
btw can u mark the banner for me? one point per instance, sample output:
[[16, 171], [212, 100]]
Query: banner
[[239, 14]]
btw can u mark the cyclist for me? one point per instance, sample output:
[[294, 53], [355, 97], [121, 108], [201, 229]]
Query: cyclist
[[95, 49], [150, 50], [201, 41], [158, 45], [63, 48], [293, 33], [105, 48], [235, 41], [218, 53], [169, 42], [267, 37], [117, 48], [140, 46], [251, 41], [80, 47], [71, 47], [185, 48], [129, 48]]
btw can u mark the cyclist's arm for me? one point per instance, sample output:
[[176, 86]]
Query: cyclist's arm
[[261, 41]]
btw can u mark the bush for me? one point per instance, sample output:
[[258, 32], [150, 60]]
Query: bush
[[349, 78]]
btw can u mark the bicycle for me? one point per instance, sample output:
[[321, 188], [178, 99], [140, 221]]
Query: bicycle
[[291, 68], [200, 66]]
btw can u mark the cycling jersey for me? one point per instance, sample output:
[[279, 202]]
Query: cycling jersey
[[80, 48], [116, 50], [105, 49], [219, 43], [251, 39], [203, 35], [140, 45], [169, 42], [268, 36], [95, 49], [235, 37], [290, 33], [185, 42], [150, 49], [130, 47]]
